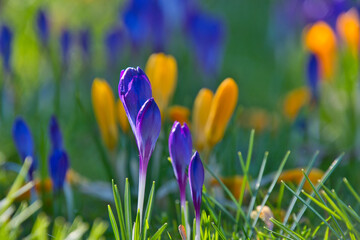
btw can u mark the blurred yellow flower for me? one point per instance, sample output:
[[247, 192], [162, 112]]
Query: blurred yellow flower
[[179, 113], [221, 110], [200, 115], [104, 107], [256, 118], [295, 100], [233, 183], [121, 116], [320, 40], [296, 175], [161, 70], [348, 27]]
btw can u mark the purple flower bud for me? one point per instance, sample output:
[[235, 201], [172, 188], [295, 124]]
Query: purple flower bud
[[180, 148], [6, 37], [85, 42], [114, 41], [65, 44], [42, 25], [24, 143], [313, 75], [55, 134], [58, 166], [196, 180]]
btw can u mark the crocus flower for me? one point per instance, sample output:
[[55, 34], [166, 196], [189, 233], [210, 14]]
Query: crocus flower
[[42, 25], [65, 45], [295, 175], [24, 143], [348, 26], [295, 101], [162, 72], [6, 37], [114, 41], [200, 114], [58, 159], [233, 183], [265, 215], [258, 119], [179, 113], [321, 41], [85, 43], [222, 108], [121, 116], [313, 75], [103, 101], [196, 180], [144, 118]]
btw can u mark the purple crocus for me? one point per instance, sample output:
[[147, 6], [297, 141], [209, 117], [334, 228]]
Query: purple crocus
[[196, 180], [42, 25], [85, 43], [114, 41], [6, 37], [24, 143], [65, 45], [313, 75], [58, 159], [144, 118]]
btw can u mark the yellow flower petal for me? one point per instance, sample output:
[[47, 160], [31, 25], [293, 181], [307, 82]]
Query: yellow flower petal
[[121, 116], [295, 100], [296, 175], [222, 108], [348, 27], [200, 114], [161, 70], [104, 108], [179, 113], [233, 183]]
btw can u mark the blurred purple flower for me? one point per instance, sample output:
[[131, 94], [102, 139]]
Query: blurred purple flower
[[313, 75], [42, 24], [180, 148], [207, 36], [85, 43], [114, 42], [6, 37], [24, 143], [55, 134], [65, 45]]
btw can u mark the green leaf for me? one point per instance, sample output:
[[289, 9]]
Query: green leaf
[[113, 223], [119, 209], [159, 232], [128, 218], [148, 210]]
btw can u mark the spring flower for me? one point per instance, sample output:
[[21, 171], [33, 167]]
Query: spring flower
[[114, 41], [24, 143], [161, 70], [222, 108], [58, 159], [85, 43], [348, 27], [196, 181], [295, 101], [258, 119], [121, 116], [313, 75], [103, 101], [144, 118], [65, 45], [233, 183], [42, 25], [265, 215], [320, 40], [200, 114], [179, 113], [296, 175], [6, 38]]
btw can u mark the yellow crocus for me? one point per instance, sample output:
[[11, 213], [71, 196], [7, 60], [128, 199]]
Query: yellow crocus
[[348, 27], [221, 110], [200, 116], [161, 70], [179, 113], [320, 39], [296, 175], [295, 100], [233, 183], [104, 107], [121, 116]]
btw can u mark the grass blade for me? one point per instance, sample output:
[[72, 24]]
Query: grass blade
[[119, 209], [159, 232], [113, 223], [128, 218], [148, 210]]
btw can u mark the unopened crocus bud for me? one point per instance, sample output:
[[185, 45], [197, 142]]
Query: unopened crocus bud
[[179, 113], [103, 101], [348, 27], [42, 25], [114, 41], [6, 38], [295, 101], [24, 143], [222, 108], [121, 116], [196, 181], [65, 45], [200, 114], [313, 75], [162, 72], [85, 43], [320, 40]]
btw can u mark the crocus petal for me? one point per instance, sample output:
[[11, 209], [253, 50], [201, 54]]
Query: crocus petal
[[296, 175], [58, 166], [55, 134], [85, 42], [196, 180], [42, 25], [114, 41], [65, 44], [179, 113], [200, 114], [294, 101], [348, 25], [313, 74], [180, 148], [148, 126], [221, 110], [134, 91], [233, 183], [121, 116], [6, 37], [103, 101]]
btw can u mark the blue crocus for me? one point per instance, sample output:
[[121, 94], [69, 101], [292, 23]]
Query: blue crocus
[[65, 45], [114, 41], [196, 180], [42, 24], [207, 35], [24, 143], [85, 43], [180, 148], [6, 37], [144, 118], [58, 159], [313, 75]]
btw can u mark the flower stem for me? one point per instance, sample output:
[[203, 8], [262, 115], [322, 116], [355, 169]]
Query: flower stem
[[142, 183], [197, 236]]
